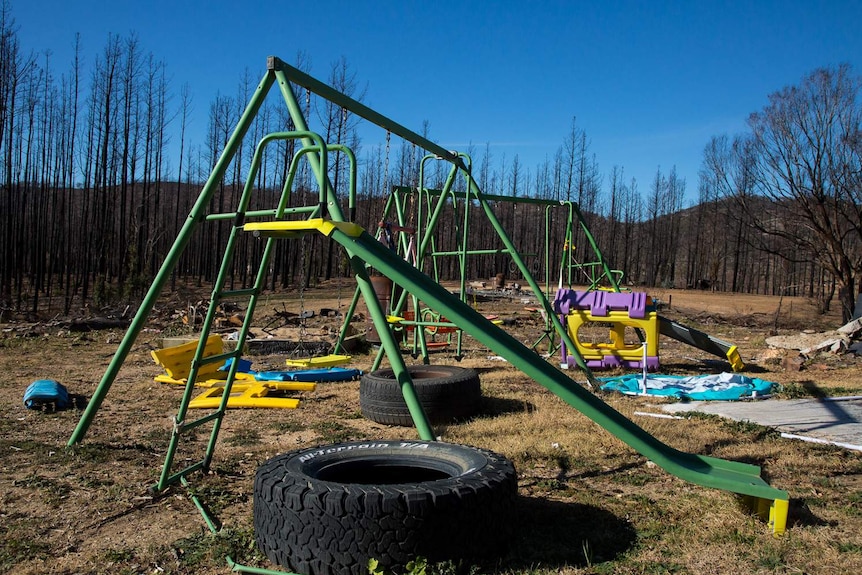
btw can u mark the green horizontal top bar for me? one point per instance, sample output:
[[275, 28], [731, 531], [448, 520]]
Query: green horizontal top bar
[[490, 197], [260, 213], [300, 78], [473, 252]]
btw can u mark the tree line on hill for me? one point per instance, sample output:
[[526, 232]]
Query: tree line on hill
[[97, 176]]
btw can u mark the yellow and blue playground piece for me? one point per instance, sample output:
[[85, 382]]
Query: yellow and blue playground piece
[[318, 375], [250, 388], [177, 360]]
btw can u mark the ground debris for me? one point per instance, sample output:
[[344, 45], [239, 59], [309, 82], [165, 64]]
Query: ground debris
[[799, 341], [833, 344], [792, 362], [851, 328], [838, 341], [96, 323]]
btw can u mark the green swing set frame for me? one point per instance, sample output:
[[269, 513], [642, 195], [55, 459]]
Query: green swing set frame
[[364, 251]]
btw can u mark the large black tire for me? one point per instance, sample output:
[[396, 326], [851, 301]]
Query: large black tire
[[328, 510], [446, 393]]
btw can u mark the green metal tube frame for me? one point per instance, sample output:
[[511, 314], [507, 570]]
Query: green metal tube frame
[[283, 74], [387, 338], [275, 74], [422, 245]]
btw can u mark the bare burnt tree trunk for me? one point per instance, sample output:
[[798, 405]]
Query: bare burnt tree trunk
[[808, 160], [184, 111], [654, 230], [72, 206], [15, 74], [105, 91]]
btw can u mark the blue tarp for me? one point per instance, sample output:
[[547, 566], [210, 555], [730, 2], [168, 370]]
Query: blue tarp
[[723, 386]]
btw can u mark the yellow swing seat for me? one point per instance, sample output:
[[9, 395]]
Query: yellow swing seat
[[177, 360]]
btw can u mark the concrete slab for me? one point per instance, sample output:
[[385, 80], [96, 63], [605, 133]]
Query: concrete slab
[[836, 420]]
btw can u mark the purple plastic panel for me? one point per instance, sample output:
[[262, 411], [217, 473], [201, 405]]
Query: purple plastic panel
[[566, 300], [600, 303]]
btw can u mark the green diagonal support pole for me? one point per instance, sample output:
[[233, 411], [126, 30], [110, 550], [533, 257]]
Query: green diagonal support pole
[[196, 216], [377, 312], [543, 301]]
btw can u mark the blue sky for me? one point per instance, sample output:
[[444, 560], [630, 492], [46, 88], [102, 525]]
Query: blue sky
[[649, 82]]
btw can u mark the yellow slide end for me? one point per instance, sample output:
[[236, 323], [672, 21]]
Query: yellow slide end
[[773, 511], [778, 516], [735, 360]]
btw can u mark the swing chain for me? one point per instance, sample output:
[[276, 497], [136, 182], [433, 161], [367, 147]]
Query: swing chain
[[386, 164], [302, 279]]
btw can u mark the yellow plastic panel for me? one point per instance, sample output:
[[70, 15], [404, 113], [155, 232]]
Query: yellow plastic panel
[[253, 396], [618, 320], [177, 360], [296, 228]]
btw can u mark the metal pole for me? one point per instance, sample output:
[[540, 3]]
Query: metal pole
[[388, 343], [564, 335], [302, 79], [387, 339], [196, 215]]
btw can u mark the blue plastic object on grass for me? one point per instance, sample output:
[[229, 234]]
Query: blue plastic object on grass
[[244, 366], [326, 374], [46, 393], [724, 386], [320, 375]]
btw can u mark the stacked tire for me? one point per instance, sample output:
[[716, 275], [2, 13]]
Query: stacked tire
[[446, 392], [328, 510]]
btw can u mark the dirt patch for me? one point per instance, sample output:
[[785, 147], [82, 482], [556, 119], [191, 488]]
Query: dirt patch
[[589, 504]]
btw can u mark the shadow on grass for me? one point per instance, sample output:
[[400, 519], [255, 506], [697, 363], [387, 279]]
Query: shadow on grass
[[494, 406], [706, 366], [489, 407], [78, 402], [813, 389], [799, 514], [101, 452], [484, 370], [554, 534]]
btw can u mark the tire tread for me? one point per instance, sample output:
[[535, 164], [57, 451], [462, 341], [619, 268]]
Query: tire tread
[[317, 527]]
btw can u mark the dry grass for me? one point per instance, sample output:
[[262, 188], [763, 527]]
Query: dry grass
[[589, 504], [655, 523]]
